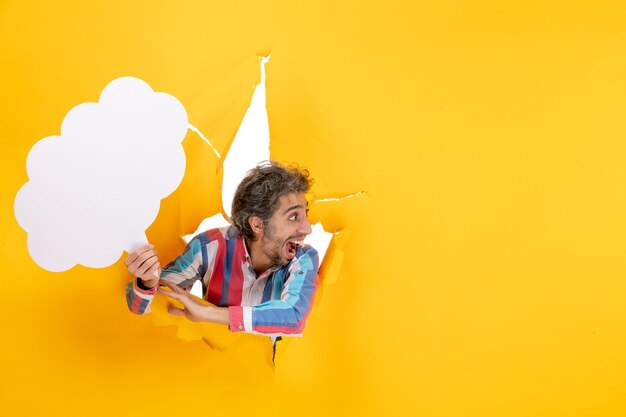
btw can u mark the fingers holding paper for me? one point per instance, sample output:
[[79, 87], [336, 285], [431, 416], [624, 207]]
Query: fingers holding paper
[[144, 264]]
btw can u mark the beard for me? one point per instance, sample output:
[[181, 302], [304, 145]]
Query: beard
[[277, 260], [272, 246]]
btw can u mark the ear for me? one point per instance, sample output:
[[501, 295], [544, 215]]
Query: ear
[[256, 224]]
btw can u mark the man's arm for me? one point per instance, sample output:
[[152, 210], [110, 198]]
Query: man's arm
[[194, 309], [288, 315], [284, 317], [183, 272]]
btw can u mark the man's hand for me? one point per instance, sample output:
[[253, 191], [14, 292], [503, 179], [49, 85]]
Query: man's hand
[[194, 310], [144, 264]]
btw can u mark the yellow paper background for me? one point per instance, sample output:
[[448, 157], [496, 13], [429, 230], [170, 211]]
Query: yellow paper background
[[482, 274]]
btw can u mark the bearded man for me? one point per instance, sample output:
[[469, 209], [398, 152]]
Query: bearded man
[[257, 273]]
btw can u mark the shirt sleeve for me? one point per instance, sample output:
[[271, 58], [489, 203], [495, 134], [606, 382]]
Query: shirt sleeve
[[183, 271], [287, 316]]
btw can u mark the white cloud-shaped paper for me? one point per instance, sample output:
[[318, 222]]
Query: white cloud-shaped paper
[[94, 190]]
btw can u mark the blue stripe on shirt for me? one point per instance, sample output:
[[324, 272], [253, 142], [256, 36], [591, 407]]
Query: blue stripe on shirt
[[204, 241], [300, 289], [185, 260], [267, 290], [228, 266], [142, 306]]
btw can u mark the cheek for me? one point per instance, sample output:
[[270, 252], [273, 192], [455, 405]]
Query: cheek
[[285, 230]]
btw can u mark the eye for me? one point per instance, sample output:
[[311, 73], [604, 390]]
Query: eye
[[293, 217]]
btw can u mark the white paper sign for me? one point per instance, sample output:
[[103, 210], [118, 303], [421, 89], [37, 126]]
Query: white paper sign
[[96, 188]]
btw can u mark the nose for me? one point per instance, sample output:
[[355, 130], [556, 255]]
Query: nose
[[305, 227]]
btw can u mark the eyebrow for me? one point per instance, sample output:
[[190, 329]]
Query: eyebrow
[[294, 207]]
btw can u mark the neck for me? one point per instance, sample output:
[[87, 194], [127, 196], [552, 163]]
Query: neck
[[260, 261]]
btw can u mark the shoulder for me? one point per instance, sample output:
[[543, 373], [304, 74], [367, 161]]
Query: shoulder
[[220, 234], [307, 250], [306, 256]]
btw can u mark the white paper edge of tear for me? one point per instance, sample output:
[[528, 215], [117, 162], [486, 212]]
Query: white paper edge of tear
[[250, 146]]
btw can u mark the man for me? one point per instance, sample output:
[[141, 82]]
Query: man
[[257, 273]]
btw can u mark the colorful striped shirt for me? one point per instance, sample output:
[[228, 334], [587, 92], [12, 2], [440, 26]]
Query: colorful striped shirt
[[275, 303]]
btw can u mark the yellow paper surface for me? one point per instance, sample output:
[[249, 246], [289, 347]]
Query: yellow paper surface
[[482, 273]]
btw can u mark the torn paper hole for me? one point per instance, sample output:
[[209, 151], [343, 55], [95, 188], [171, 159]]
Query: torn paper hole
[[96, 188], [250, 146]]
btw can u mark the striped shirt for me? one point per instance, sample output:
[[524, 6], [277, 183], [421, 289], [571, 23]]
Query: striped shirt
[[275, 303]]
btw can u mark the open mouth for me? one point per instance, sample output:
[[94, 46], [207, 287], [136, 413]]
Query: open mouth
[[292, 246]]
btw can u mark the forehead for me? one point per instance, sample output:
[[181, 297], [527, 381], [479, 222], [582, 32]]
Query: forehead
[[291, 201]]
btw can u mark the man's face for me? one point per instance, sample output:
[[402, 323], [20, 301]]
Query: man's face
[[286, 229]]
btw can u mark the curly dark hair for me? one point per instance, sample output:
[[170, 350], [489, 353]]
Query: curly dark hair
[[258, 194]]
